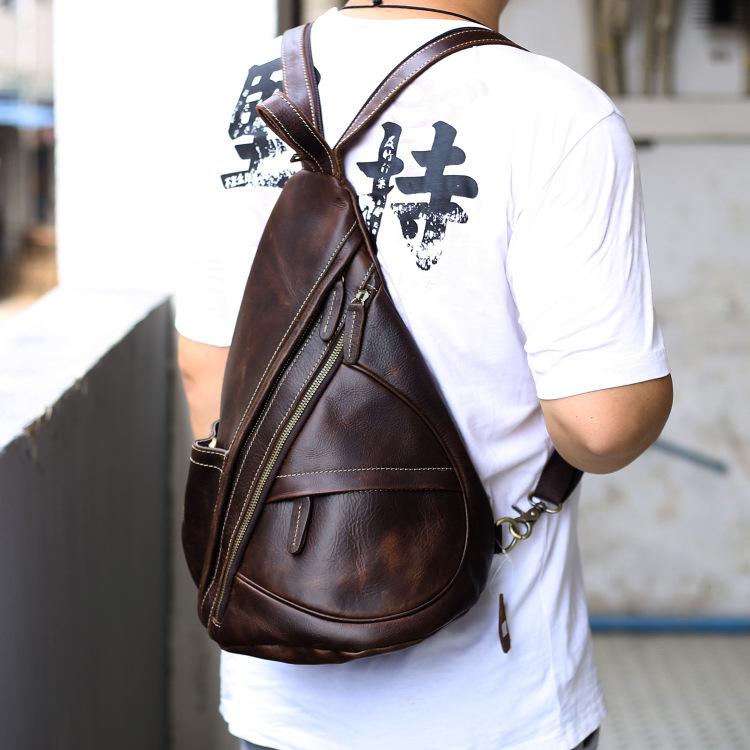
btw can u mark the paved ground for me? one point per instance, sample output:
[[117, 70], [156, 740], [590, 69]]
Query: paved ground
[[675, 692]]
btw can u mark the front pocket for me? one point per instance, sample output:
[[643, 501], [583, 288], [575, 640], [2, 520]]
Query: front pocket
[[366, 554], [200, 495]]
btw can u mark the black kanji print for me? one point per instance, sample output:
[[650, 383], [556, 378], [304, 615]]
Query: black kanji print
[[260, 145], [440, 209], [380, 171]]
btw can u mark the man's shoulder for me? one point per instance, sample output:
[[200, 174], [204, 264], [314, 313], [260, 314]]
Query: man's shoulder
[[539, 84]]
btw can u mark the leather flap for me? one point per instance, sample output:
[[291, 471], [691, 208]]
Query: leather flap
[[329, 481]]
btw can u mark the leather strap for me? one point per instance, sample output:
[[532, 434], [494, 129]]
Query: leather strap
[[558, 480], [411, 68], [298, 71], [295, 114], [289, 122], [555, 486]]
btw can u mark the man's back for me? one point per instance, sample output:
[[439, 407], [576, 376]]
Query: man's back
[[503, 194]]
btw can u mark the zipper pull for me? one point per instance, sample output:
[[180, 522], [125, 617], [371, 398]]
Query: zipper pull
[[299, 524], [355, 326]]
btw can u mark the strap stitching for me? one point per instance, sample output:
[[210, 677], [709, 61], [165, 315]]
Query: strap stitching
[[289, 135], [260, 380], [292, 404], [326, 148], [245, 500], [256, 431], [208, 466], [286, 333], [307, 80], [330, 310], [270, 444], [424, 49], [366, 468], [351, 334], [356, 124], [296, 528], [284, 77]]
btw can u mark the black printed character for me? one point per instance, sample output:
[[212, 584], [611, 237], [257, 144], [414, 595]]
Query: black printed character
[[442, 188], [259, 146], [380, 171]]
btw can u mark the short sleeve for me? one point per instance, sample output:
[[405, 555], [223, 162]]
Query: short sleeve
[[213, 274], [578, 269], [237, 171]]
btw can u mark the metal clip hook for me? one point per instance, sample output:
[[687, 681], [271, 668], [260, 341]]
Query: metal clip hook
[[521, 526]]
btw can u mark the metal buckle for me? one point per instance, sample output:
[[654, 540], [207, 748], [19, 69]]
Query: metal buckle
[[521, 526]]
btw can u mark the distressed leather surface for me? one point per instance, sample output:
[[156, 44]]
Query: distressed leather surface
[[336, 514]]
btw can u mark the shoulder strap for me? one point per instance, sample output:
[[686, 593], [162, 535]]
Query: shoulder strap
[[294, 114], [412, 67], [298, 71]]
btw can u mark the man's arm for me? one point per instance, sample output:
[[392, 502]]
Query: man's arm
[[603, 431], [202, 369], [598, 432]]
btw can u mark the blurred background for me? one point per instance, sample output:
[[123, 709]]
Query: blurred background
[[104, 108]]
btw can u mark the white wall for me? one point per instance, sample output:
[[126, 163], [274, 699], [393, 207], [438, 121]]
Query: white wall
[[668, 535], [139, 109], [556, 29]]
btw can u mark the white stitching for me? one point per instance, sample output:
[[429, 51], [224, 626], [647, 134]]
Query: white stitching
[[326, 148], [330, 311], [355, 125], [307, 80], [366, 468], [260, 465], [291, 138], [262, 419], [286, 333], [284, 79], [296, 528], [351, 333], [427, 62], [270, 444], [366, 277], [266, 412], [208, 466]]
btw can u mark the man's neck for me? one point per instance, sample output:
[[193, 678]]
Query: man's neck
[[485, 12]]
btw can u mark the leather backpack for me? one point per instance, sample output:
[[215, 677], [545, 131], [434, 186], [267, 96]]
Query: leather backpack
[[334, 512]]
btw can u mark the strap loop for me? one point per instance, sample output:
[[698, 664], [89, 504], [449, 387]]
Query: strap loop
[[555, 486]]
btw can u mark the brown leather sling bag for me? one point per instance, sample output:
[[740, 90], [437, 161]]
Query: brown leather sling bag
[[334, 512]]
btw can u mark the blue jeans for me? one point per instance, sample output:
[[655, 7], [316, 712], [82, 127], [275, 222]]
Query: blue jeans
[[590, 743]]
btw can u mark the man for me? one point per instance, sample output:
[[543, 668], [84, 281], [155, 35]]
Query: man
[[503, 192]]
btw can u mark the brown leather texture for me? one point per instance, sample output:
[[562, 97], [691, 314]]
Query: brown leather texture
[[334, 513]]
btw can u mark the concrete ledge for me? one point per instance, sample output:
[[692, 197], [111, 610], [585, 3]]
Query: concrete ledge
[[48, 348], [84, 522]]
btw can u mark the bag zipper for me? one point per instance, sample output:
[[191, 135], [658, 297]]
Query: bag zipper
[[250, 437], [265, 473]]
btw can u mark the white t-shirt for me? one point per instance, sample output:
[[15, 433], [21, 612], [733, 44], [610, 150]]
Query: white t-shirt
[[510, 232]]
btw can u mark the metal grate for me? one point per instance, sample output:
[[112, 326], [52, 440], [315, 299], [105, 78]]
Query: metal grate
[[670, 692]]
